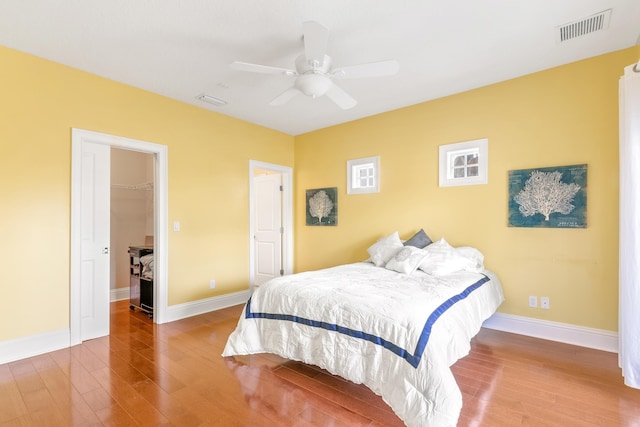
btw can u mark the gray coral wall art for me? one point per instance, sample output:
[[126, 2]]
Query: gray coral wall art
[[553, 197], [322, 206]]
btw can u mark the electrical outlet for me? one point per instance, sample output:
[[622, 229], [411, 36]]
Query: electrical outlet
[[212, 284], [533, 301], [544, 303]]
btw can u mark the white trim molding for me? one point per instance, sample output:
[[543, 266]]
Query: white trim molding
[[464, 163], [370, 182], [206, 305], [161, 252], [33, 345], [598, 339], [119, 294]]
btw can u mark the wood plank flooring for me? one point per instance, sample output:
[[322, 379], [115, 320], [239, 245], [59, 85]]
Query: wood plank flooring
[[173, 375]]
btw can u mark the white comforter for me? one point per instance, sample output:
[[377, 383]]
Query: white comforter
[[396, 333]]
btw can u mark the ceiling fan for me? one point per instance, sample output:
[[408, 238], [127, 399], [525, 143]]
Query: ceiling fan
[[314, 70]]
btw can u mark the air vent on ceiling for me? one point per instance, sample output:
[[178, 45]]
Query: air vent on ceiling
[[590, 24], [212, 100]]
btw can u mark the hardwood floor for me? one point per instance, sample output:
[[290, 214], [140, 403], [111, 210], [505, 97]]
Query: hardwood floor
[[173, 374]]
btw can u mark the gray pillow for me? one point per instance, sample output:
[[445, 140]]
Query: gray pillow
[[419, 240]]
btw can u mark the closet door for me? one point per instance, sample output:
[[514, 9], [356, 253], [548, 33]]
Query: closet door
[[268, 227]]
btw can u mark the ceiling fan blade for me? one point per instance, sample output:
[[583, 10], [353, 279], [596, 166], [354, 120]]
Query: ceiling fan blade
[[340, 97], [284, 97], [315, 41], [373, 69], [263, 69]]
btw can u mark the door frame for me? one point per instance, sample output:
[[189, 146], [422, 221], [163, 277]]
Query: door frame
[[160, 152], [287, 216]]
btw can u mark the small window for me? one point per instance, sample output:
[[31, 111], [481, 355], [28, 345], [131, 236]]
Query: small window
[[464, 163], [363, 175]]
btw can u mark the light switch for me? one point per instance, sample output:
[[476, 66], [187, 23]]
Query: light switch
[[176, 225]]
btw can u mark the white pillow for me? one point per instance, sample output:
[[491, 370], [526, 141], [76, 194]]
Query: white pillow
[[384, 249], [474, 256], [442, 259], [406, 260]]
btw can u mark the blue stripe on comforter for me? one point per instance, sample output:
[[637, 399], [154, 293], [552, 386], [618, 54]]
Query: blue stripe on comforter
[[413, 359]]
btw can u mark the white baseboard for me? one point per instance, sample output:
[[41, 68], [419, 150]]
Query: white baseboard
[[118, 294], [598, 339], [34, 345], [577, 335], [188, 309]]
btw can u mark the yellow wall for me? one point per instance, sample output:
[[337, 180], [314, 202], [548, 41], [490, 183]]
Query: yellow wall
[[209, 155], [566, 115]]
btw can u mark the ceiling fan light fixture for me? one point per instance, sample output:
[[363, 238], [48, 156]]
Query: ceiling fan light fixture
[[313, 85]]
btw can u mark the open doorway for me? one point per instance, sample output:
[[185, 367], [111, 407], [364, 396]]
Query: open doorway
[[132, 228], [90, 249]]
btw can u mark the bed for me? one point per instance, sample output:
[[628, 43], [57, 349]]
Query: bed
[[395, 323]]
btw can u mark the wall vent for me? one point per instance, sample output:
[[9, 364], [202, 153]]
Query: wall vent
[[590, 24]]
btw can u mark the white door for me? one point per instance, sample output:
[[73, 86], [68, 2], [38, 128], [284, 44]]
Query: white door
[[94, 244], [268, 227]]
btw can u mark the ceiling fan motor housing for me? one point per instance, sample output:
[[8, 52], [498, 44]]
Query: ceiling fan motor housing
[[313, 79]]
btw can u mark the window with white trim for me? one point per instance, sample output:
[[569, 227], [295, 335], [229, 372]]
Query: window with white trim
[[464, 163], [363, 175]]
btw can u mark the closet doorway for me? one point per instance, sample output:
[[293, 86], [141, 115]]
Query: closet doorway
[[271, 221], [132, 228], [90, 250]]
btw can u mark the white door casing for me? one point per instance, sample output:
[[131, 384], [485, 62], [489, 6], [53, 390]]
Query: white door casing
[[287, 215], [268, 227], [95, 240], [79, 139]]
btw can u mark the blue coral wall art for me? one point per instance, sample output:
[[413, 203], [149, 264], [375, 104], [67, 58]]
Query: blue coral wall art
[[554, 197]]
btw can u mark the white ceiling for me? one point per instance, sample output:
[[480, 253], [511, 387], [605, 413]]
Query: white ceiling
[[181, 49]]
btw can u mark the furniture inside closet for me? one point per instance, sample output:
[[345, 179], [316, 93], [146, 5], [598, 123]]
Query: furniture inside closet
[[141, 279]]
